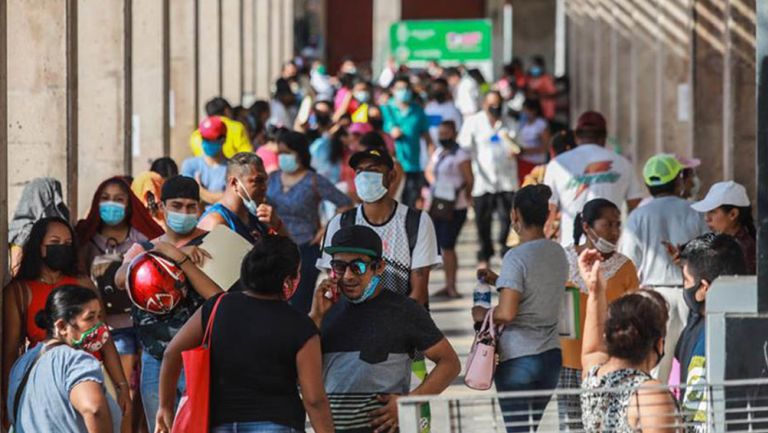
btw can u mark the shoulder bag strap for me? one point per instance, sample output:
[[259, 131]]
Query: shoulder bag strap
[[209, 327], [412, 222], [25, 379]]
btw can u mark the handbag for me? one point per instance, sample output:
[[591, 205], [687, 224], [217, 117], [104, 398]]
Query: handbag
[[482, 360], [441, 209], [193, 415]]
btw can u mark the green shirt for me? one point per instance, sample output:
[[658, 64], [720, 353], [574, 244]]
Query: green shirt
[[414, 123]]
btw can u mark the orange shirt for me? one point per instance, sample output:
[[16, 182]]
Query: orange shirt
[[622, 279]]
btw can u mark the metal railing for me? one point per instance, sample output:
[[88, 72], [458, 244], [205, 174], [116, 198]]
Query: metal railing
[[731, 406]]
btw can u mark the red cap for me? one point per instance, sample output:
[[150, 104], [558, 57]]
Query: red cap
[[213, 128], [591, 120]]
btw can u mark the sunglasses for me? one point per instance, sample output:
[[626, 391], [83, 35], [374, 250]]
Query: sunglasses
[[358, 266]]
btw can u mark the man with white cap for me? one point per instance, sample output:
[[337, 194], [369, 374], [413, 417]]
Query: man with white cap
[[727, 210], [652, 232]]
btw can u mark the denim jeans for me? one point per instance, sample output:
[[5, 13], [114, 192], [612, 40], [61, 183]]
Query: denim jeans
[[528, 373], [150, 387], [253, 427]]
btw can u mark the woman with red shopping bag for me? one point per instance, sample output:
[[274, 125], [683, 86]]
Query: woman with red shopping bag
[[261, 351]]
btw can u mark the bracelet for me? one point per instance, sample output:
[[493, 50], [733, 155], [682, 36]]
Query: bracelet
[[186, 259]]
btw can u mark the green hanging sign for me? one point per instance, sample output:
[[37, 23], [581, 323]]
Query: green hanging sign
[[443, 40]]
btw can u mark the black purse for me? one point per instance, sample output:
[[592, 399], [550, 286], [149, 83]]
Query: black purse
[[442, 209]]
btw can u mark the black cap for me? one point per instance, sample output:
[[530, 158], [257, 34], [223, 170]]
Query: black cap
[[355, 239], [379, 156], [180, 187]]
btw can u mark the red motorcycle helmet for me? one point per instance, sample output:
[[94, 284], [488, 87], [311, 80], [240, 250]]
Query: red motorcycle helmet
[[155, 284]]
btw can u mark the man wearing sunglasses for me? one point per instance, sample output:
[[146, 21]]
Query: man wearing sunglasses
[[369, 341]]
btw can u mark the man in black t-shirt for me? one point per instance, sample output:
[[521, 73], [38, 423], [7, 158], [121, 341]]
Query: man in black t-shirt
[[369, 342]]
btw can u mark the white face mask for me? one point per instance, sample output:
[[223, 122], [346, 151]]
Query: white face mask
[[247, 201], [602, 245], [370, 186]]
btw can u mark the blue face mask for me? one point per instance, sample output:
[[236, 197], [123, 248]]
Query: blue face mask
[[181, 223], [368, 292], [370, 186], [287, 162], [535, 71], [212, 148], [111, 213], [362, 96], [248, 201], [402, 95]]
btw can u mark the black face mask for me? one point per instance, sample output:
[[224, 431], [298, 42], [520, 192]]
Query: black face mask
[[440, 97], [689, 294], [495, 111], [447, 143], [659, 355], [59, 257], [323, 120], [376, 123]]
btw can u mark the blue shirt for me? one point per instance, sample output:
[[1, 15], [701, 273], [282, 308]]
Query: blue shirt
[[298, 207], [413, 123], [320, 149], [45, 404], [212, 177]]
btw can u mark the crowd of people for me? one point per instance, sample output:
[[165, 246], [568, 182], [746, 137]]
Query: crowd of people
[[365, 184]]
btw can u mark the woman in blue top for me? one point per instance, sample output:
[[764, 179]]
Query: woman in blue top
[[296, 191]]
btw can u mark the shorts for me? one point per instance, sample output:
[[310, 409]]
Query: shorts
[[126, 341], [447, 232]]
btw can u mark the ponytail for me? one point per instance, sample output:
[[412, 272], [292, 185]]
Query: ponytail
[[578, 230]]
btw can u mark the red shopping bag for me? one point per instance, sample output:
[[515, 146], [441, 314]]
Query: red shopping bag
[[193, 415]]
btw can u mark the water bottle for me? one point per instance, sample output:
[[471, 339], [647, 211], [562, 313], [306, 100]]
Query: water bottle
[[481, 296]]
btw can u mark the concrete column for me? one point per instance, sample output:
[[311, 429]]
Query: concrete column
[[232, 50], [4, 209], [210, 57], [249, 51], [147, 118], [644, 15], [183, 72], [742, 65], [101, 97], [276, 33], [676, 119], [495, 12], [37, 91], [263, 48], [533, 29], [625, 87], [385, 13], [287, 27]]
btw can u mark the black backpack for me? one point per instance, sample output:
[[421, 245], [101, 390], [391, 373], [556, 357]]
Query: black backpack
[[412, 221]]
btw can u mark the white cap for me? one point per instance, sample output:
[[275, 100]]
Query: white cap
[[723, 193]]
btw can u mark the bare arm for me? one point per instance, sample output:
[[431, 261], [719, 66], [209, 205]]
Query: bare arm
[[210, 221], [654, 409], [189, 336], [469, 179], [447, 368], [509, 304], [420, 285], [632, 204], [593, 351], [430, 144], [309, 364], [199, 280], [89, 400]]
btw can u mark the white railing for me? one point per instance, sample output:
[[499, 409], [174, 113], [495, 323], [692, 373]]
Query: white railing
[[732, 406]]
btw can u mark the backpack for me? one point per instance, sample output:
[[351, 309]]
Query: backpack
[[412, 221], [103, 270]]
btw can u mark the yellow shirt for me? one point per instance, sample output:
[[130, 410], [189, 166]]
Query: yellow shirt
[[237, 140], [621, 276]]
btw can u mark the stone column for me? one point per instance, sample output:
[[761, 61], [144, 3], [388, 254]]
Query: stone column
[[287, 36], [533, 29], [184, 105], [210, 55], [100, 93], [742, 64], [37, 91], [249, 51], [147, 118], [263, 48], [276, 53], [4, 209], [232, 49], [385, 13]]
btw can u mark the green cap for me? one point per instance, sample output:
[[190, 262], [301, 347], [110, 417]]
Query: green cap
[[661, 169]]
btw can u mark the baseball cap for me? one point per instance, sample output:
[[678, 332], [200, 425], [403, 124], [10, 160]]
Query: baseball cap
[[379, 156], [723, 193], [592, 121], [180, 187], [213, 128], [355, 239], [688, 162], [360, 128], [661, 169]]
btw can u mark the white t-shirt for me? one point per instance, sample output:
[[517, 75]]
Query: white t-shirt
[[585, 173], [394, 240], [663, 219], [467, 96], [445, 166], [437, 113], [530, 136], [494, 168]]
